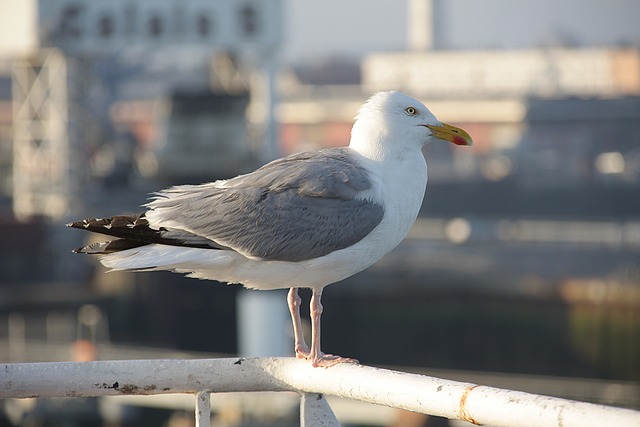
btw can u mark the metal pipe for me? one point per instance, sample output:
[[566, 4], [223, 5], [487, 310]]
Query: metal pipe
[[418, 393], [316, 412], [203, 409]]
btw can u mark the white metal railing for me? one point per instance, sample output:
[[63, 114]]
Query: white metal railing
[[457, 400]]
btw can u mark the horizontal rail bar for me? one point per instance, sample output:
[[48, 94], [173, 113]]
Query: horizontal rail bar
[[418, 393]]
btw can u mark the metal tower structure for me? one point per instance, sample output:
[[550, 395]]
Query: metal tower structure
[[48, 128], [41, 181]]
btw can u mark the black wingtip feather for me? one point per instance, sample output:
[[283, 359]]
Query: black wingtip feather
[[103, 248], [133, 231]]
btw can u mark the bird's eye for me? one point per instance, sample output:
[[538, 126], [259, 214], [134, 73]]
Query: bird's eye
[[411, 111]]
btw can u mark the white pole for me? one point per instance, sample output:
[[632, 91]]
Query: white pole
[[263, 317], [316, 412], [203, 409], [270, 73], [263, 323], [420, 23], [479, 404]]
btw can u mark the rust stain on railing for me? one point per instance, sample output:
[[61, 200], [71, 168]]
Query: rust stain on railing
[[463, 412]]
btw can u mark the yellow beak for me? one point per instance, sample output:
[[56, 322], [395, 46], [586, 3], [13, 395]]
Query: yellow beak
[[450, 133]]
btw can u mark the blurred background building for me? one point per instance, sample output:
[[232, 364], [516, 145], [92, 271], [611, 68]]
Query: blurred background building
[[526, 260]]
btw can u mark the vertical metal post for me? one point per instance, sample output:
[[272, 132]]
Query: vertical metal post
[[316, 412], [271, 100], [203, 409], [264, 99], [17, 336], [256, 336]]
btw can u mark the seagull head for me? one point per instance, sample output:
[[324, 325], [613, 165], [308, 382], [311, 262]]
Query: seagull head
[[391, 121]]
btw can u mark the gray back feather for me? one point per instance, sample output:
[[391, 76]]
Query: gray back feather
[[296, 208]]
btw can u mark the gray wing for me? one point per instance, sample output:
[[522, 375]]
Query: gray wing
[[296, 208]]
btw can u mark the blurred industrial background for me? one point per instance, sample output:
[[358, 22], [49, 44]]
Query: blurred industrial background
[[523, 270]]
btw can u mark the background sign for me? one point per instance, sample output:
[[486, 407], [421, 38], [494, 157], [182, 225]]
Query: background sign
[[86, 26]]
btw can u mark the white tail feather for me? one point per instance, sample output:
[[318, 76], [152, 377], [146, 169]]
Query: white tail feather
[[159, 257]]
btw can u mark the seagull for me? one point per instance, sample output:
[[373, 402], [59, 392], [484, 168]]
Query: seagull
[[302, 221]]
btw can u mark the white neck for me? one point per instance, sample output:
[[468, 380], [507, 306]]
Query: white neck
[[375, 143], [368, 141], [402, 168]]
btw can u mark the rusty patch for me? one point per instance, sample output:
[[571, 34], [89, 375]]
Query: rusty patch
[[129, 389], [113, 386], [134, 389], [464, 414], [561, 417]]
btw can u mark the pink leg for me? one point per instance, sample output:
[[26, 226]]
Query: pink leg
[[294, 301], [317, 357]]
